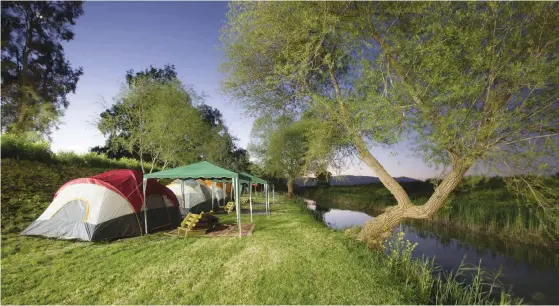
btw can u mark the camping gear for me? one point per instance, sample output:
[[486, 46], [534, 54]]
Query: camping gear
[[196, 224], [194, 197], [107, 206], [229, 207], [207, 170]]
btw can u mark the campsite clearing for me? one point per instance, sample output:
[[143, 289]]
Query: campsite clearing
[[290, 258]]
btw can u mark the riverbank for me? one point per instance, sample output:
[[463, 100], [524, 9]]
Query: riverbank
[[492, 210], [289, 259], [530, 273]]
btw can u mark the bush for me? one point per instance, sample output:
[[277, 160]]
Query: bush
[[24, 148], [20, 147]]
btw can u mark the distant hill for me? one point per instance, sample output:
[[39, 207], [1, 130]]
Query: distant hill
[[349, 180]]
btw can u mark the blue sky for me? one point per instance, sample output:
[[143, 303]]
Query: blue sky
[[113, 37]]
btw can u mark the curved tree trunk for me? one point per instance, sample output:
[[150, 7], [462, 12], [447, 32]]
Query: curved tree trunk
[[290, 188], [376, 230]]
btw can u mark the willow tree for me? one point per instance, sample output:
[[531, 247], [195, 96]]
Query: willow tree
[[462, 82]]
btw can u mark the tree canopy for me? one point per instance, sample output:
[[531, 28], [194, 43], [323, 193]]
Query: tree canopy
[[280, 148], [36, 77], [463, 82], [157, 119]]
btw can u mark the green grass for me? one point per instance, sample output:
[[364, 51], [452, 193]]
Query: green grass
[[290, 258]]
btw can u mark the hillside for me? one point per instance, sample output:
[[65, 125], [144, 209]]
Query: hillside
[[29, 186]]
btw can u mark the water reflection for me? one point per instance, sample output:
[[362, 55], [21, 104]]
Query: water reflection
[[529, 272]]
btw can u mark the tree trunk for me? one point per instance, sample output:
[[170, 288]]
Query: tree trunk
[[290, 188], [376, 230]]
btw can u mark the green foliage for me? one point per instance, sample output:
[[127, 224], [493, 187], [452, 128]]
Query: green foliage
[[159, 120], [461, 82], [140, 122], [20, 147], [474, 82], [36, 77], [280, 146]]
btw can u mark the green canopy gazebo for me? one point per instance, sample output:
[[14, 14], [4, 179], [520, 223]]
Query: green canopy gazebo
[[255, 179], [204, 170]]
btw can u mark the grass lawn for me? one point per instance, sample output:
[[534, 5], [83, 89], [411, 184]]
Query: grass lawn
[[290, 259]]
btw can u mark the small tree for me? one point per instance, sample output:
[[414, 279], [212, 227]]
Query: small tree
[[465, 82], [281, 148]]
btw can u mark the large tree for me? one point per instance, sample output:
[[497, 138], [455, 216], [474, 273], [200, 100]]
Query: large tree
[[463, 82], [221, 147], [36, 77], [115, 143], [155, 121], [205, 135]]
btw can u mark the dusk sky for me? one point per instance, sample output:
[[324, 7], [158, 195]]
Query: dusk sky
[[113, 37]]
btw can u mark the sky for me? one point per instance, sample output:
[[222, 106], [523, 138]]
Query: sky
[[114, 37]]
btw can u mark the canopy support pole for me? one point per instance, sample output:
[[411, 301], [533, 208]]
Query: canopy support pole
[[250, 200], [144, 185], [273, 195], [183, 197], [266, 197], [213, 191], [237, 204]]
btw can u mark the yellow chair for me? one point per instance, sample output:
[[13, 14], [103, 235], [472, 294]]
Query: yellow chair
[[189, 223], [229, 207]]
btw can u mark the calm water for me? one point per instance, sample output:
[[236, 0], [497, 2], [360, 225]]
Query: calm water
[[529, 272]]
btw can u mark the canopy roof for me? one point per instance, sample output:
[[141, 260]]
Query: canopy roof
[[255, 179], [198, 170]]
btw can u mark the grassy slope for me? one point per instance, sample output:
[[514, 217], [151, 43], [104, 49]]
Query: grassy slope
[[290, 259]]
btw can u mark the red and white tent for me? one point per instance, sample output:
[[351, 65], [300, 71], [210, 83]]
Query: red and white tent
[[107, 206]]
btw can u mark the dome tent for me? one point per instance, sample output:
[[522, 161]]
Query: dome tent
[[219, 195], [197, 196], [106, 206]]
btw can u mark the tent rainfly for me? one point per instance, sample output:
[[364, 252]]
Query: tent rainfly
[[206, 170]]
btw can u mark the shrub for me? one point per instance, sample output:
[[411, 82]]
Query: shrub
[[21, 147], [25, 148]]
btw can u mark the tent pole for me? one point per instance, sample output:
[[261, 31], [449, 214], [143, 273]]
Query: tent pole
[[213, 190], [250, 200], [237, 205], [145, 206], [273, 195], [183, 197], [266, 197]]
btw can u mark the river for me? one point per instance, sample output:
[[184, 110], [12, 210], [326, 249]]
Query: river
[[529, 272]]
